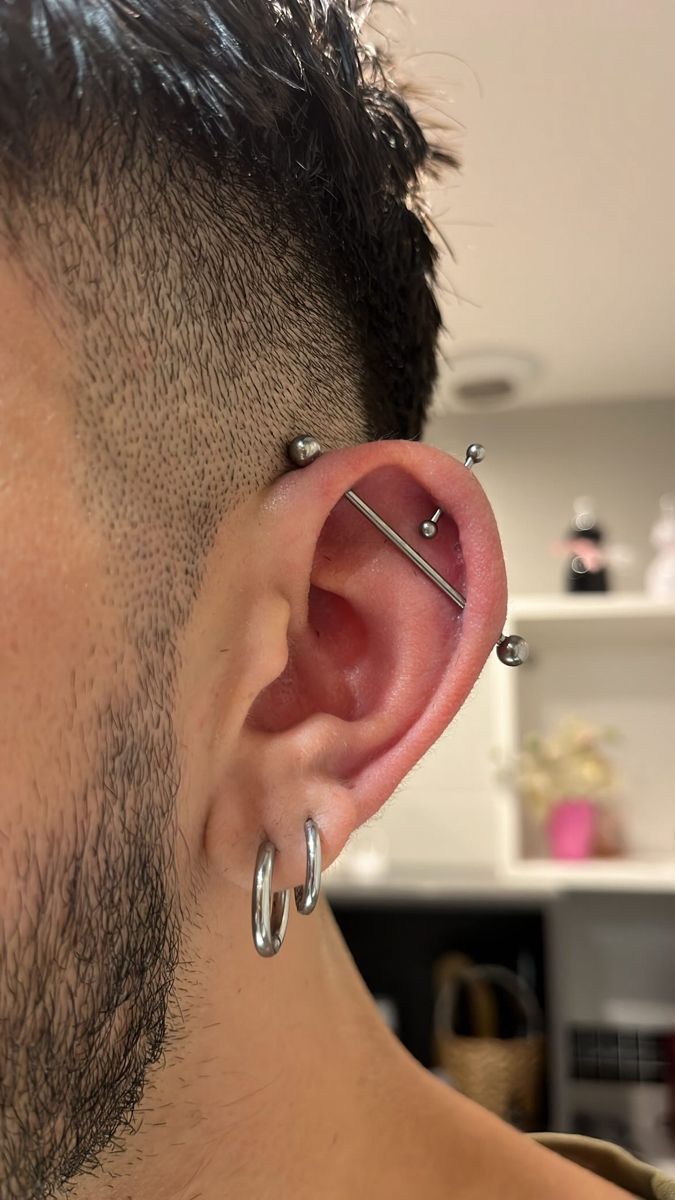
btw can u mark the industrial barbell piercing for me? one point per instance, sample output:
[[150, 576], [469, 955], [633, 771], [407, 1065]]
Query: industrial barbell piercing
[[511, 649], [475, 453], [429, 528]]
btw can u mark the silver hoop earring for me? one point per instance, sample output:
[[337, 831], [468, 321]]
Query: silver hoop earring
[[269, 909], [307, 896]]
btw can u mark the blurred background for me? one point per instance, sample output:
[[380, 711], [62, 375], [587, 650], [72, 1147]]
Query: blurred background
[[513, 908]]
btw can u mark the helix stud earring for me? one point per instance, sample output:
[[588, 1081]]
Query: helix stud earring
[[512, 650], [307, 896], [269, 909], [475, 453]]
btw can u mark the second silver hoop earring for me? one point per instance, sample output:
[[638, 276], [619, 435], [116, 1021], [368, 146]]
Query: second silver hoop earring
[[307, 896]]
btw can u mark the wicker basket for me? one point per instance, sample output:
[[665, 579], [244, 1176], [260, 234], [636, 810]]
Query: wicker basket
[[502, 1074]]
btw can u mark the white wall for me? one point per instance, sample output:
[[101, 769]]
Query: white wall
[[537, 461]]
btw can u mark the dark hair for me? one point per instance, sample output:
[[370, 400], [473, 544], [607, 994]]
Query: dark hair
[[192, 112], [285, 89]]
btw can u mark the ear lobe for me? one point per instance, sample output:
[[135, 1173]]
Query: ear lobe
[[379, 659]]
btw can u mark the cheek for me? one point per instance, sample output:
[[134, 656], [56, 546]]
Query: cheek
[[56, 643], [57, 636]]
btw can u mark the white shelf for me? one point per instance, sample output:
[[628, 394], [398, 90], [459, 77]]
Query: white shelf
[[461, 887], [644, 874], [600, 606], [593, 620], [530, 878]]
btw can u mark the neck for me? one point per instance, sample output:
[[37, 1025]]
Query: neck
[[282, 1069]]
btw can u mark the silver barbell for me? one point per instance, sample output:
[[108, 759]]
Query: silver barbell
[[512, 650]]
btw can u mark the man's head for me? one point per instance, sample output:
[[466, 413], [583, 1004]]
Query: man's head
[[209, 243], [219, 203]]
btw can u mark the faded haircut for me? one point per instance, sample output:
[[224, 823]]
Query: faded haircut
[[224, 197]]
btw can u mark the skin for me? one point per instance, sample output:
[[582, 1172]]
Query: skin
[[316, 668]]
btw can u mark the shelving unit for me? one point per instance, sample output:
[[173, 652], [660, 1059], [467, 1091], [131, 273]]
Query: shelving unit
[[612, 659], [610, 940]]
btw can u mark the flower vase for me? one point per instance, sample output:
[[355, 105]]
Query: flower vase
[[571, 828]]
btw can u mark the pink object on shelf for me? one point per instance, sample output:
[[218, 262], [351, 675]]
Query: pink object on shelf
[[571, 828]]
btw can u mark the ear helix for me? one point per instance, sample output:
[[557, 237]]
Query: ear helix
[[270, 909], [512, 650], [475, 453]]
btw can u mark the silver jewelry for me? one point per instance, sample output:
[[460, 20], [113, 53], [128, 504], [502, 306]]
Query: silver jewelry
[[475, 453], [511, 649], [307, 896], [269, 909]]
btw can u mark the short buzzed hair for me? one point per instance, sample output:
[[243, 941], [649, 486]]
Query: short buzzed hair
[[226, 195]]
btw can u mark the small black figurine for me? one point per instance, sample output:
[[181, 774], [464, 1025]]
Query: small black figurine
[[587, 564]]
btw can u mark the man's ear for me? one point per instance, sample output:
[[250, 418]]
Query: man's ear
[[349, 661]]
